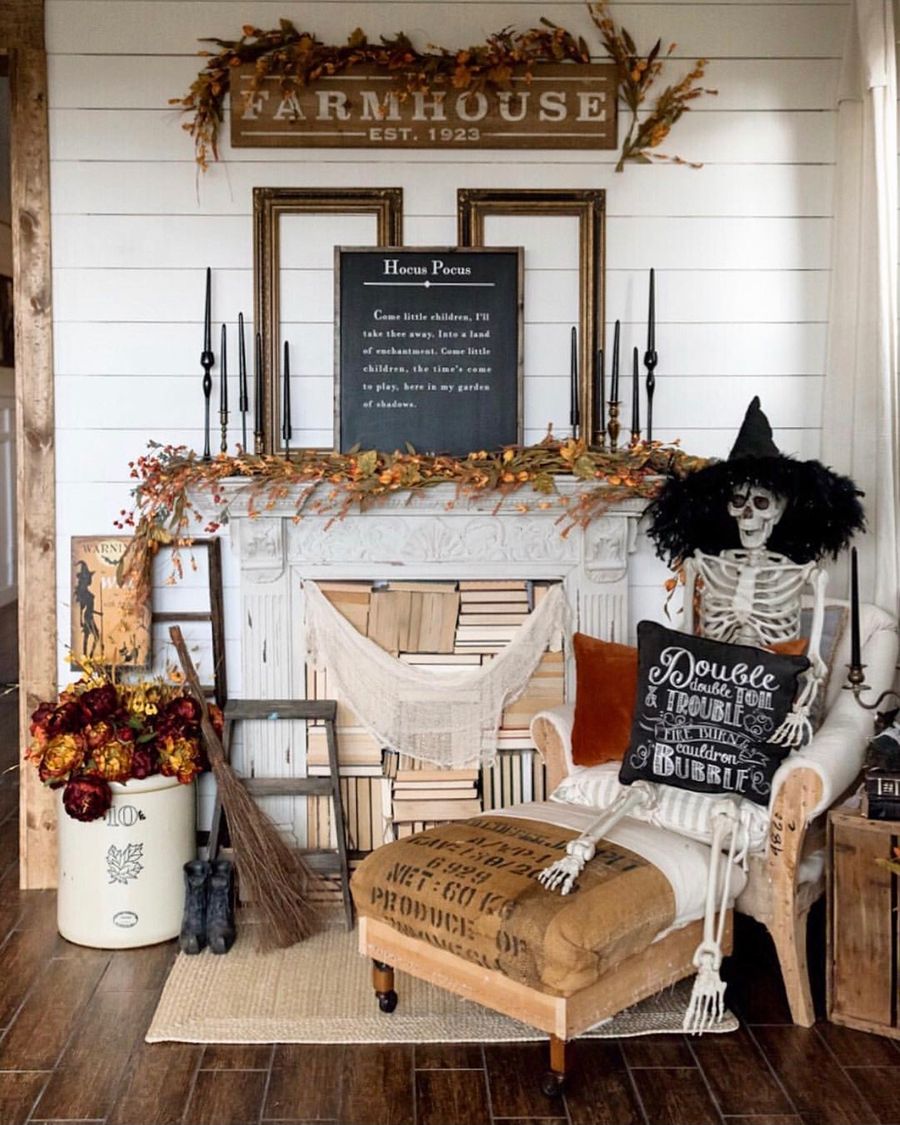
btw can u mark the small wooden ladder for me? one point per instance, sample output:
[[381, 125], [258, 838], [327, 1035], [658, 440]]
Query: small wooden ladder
[[324, 861], [214, 616]]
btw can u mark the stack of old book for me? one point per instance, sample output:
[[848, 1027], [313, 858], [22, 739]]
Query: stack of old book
[[489, 614], [423, 795]]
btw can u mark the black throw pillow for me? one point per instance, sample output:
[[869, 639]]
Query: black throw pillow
[[705, 711]]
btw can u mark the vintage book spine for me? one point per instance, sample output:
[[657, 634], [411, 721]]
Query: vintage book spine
[[431, 775], [435, 810], [493, 597], [493, 618], [424, 587], [480, 584], [442, 793], [448, 781]]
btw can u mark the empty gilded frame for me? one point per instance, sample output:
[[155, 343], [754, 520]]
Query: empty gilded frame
[[474, 205], [270, 208]]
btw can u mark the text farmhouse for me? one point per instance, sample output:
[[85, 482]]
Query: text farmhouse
[[560, 106]]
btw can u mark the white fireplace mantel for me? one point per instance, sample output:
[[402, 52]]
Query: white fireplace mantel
[[431, 534]]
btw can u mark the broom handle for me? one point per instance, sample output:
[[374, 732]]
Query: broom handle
[[213, 742]]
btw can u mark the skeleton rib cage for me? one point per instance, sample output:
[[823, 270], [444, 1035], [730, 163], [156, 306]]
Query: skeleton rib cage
[[750, 597]]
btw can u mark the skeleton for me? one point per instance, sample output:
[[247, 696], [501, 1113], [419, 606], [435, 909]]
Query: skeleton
[[748, 595], [753, 596]]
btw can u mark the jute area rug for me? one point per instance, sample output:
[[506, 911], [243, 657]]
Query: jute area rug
[[320, 991]]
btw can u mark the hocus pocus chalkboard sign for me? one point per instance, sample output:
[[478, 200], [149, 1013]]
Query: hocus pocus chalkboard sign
[[428, 348]]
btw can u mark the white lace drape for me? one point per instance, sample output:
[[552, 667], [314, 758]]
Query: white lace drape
[[449, 720]]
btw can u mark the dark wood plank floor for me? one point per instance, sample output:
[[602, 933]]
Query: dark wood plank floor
[[72, 1022]]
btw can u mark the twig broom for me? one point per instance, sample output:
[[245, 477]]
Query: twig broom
[[273, 876]]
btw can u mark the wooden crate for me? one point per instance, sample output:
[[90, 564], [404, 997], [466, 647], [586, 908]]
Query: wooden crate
[[862, 966]]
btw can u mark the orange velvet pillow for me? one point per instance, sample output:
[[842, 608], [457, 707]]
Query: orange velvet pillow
[[605, 690], [797, 647]]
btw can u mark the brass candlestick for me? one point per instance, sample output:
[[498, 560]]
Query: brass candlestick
[[598, 439], [612, 427]]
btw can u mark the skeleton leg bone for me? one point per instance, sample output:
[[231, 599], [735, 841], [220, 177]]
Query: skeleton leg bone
[[707, 1003], [561, 875]]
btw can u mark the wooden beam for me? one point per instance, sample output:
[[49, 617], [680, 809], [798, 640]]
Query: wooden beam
[[36, 470], [22, 24]]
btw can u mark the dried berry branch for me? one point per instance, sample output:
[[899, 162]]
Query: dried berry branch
[[636, 75]]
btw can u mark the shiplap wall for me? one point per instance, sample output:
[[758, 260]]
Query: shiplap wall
[[741, 247]]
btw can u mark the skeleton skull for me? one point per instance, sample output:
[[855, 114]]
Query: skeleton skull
[[757, 511]]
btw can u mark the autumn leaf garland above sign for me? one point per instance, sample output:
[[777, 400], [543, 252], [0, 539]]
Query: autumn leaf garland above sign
[[297, 59]]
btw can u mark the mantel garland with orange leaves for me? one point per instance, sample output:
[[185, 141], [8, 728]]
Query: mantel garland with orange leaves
[[320, 482]]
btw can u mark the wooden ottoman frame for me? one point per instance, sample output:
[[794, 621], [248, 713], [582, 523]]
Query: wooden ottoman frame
[[563, 1017]]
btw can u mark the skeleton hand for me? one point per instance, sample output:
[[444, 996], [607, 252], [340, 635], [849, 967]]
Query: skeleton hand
[[562, 874], [796, 730]]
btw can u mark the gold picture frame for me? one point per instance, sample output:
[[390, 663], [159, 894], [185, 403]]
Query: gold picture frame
[[474, 205], [269, 206]]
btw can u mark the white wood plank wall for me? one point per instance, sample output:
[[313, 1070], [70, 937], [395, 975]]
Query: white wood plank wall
[[741, 247]]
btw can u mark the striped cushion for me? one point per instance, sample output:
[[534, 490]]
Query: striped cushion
[[678, 809]]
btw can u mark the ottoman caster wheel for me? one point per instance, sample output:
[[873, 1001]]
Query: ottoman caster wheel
[[387, 1001], [552, 1084]]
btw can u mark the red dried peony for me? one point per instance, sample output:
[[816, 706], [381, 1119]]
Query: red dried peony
[[40, 718], [64, 719], [99, 703], [98, 734], [144, 763], [87, 798]]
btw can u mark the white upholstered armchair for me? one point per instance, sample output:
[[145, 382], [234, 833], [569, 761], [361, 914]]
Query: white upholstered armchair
[[787, 875]]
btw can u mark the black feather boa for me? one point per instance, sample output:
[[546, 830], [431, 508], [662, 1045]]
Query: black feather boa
[[691, 513]]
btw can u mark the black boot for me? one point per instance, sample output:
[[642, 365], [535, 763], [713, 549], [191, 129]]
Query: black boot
[[193, 924], [220, 930]]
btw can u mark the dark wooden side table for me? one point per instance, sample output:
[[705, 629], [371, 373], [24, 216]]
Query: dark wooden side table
[[862, 954]]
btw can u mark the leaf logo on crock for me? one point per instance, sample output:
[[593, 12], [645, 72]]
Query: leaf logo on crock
[[680, 668]]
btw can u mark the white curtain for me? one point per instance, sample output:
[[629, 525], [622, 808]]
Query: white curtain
[[861, 425]]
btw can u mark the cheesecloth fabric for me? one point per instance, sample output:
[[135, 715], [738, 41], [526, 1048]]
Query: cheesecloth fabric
[[449, 720]]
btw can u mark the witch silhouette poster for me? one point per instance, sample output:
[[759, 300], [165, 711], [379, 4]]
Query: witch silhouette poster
[[110, 623]]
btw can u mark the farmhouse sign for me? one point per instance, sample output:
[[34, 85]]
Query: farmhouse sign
[[564, 105], [428, 348]]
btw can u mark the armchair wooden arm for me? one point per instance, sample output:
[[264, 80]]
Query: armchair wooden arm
[[788, 831]]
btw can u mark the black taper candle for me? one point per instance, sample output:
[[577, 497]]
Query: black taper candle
[[650, 356], [207, 359], [599, 434], [207, 313], [286, 432], [243, 397], [635, 397], [223, 392], [614, 377], [574, 408], [855, 647], [258, 395]]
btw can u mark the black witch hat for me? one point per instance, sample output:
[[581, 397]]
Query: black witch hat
[[691, 513]]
